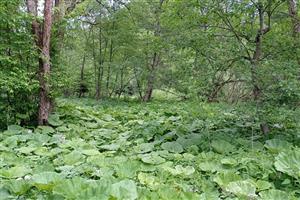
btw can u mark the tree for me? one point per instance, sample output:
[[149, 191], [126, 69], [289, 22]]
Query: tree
[[42, 33], [293, 13], [18, 82], [156, 57]]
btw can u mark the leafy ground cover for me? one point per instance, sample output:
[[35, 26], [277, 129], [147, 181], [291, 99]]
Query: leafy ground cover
[[170, 150]]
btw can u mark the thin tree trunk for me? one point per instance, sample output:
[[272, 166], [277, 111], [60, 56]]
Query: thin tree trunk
[[82, 86], [102, 62], [255, 61], [138, 83], [151, 77], [110, 61], [155, 58], [95, 63], [122, 82], [98, 85]]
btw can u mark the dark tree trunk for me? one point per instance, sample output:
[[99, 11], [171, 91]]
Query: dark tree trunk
[[151, 77], [82, 87], [42, 39], [45, 101]]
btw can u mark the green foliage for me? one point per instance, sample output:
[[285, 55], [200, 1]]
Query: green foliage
[[18, 83], [288, 162], [206, 50], [242, 189], [109, 151]]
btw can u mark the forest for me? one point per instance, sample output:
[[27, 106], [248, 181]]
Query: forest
[[150, 99]]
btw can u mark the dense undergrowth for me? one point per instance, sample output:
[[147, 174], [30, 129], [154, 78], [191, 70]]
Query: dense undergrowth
[[159, 150]]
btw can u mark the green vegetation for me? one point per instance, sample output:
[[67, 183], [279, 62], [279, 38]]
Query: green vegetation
[[149, 99], [119, 150]]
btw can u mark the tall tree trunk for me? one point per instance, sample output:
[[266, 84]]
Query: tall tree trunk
[[42, 39], [95, 62], [111, 51], [155, 58], [255, 61], [138, 83], [99, 69], [151, 77], [45, 101], [121, 83], [82, 86]]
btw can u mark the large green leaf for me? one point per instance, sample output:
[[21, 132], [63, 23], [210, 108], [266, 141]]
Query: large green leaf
[[125, 189], [15, 172], [273, 195], [277, 145], [242, 189], [5, 195], [209, 166], [152, 158], [18, 187], [263, 185], [148, 179], [54, 120], [26, 150], [45, 129], [127, 169], [46, 180], [98, 191], [289, 163], [173, 147], [180, 170], [70, 188], [223, 179], [111, 147], [213, 195], [144, 148], [74, 158], [80, 188], [90, 152], [222, 146]]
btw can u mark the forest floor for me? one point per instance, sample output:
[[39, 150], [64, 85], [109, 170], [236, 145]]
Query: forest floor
[[158, 150]]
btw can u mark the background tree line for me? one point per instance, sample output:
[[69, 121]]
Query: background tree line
[[223, 50]]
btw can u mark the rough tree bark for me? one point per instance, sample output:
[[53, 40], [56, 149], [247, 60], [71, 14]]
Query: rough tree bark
[[45, 100], [42, 34], [294, 17]]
